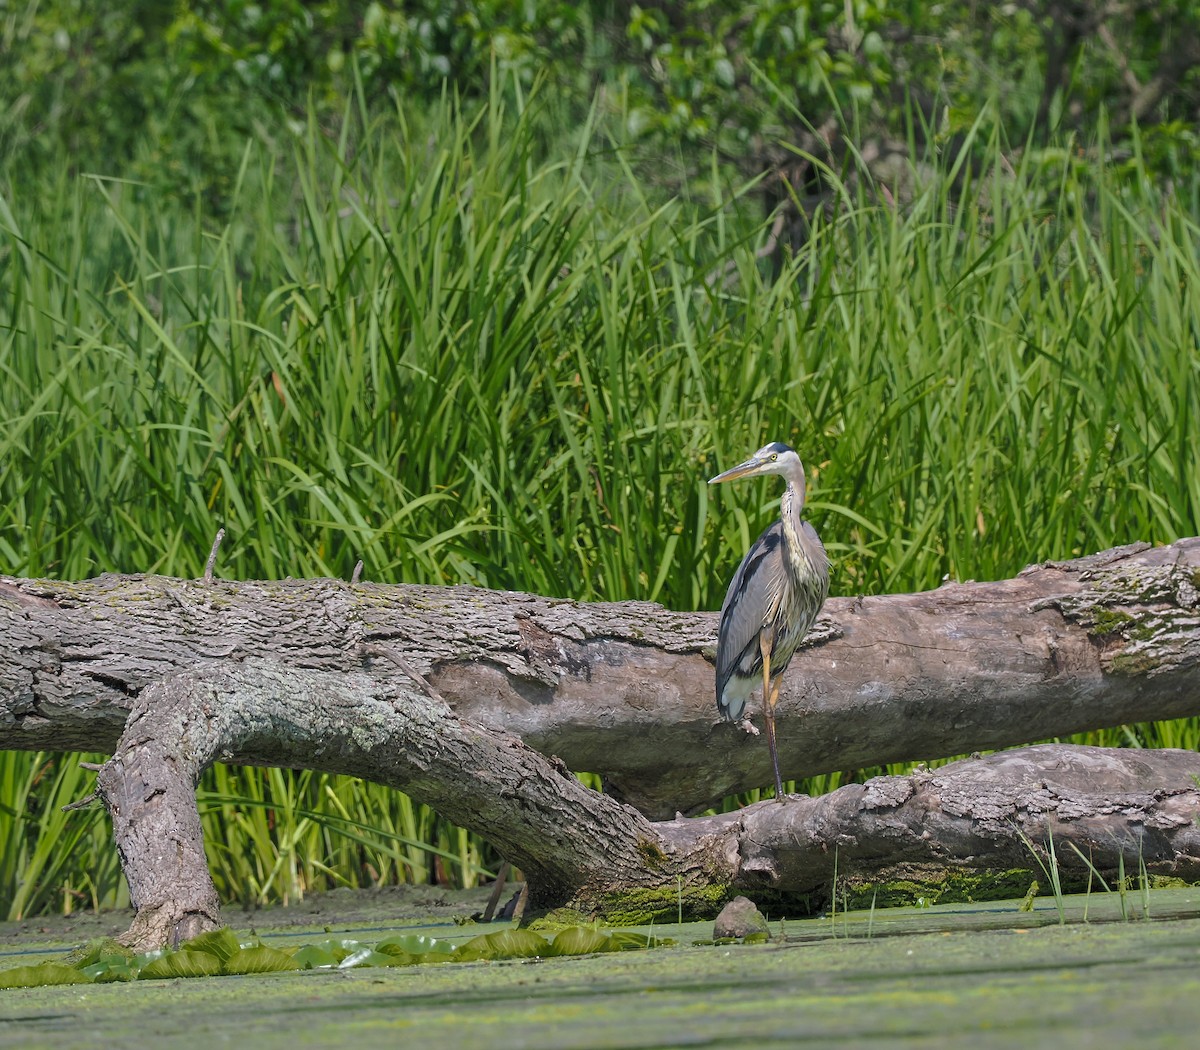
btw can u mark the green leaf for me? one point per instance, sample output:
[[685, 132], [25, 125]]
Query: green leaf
[[144, 959], [506, 944], [96, 951], [260, 959], [582, 940], [404, 959], [222, 943], [182, 963], [314, 957], [42, 975], [338, 947], [370, 957], [110, 969], [627, 940], [416, 944]]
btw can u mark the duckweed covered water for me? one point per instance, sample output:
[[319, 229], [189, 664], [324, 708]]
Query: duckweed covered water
[[952, 975]]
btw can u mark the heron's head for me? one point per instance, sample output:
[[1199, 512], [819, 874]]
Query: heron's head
[[775, 458]]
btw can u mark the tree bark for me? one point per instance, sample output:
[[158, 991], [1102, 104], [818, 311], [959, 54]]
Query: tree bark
[[626, 689], [974, 815], [531, 809], [458, 695]]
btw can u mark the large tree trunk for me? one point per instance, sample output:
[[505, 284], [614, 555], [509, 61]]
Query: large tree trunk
[[457, 696]]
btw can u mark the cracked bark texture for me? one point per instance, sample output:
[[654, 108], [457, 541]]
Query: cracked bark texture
[[171, 675], [972, 816], [580, 848], [531, 809], [626, 689]]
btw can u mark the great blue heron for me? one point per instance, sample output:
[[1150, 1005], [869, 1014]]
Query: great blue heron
[[773, 598]]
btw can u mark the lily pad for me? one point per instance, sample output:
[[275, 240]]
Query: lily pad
[[627, 940], [405, 958], [222, 943], [41, 975], [143, 959], [339, 947], [109, 970], [370, 957], [582, 940], [417, 944], [97, 950], [182, 963], [259, 959], [314, 957], [506, 944]]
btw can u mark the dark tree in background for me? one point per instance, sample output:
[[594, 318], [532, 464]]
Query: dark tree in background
[[753, 82]]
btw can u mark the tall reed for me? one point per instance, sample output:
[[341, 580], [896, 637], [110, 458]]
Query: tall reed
[[470, 347]]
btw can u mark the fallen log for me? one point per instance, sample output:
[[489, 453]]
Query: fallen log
[[476, 702], [625, 689], [589, 851]]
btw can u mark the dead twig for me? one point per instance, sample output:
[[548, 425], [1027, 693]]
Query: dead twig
[[87, 800], [497, 889], [212, 557]]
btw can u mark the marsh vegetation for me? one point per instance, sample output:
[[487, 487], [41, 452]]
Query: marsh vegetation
[[473, 340]]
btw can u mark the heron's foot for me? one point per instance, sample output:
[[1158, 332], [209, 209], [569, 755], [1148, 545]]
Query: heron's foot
[[748, 727]]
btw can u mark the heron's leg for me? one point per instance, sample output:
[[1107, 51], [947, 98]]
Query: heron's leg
[[770, 696]]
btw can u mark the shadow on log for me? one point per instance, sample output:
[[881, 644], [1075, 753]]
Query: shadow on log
[[464, 697]]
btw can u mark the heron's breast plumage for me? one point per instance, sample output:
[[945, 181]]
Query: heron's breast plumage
[[781, 584]]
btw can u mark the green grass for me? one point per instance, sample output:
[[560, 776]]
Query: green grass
[[51, 860], [1050, 869], [469, 348]]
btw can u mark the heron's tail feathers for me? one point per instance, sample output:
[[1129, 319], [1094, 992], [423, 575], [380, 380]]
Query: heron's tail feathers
[[731, 707]]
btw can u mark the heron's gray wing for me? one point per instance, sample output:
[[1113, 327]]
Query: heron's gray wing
[[749, 596]]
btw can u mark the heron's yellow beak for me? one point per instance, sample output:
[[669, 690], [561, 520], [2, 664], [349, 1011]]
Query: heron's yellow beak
[[742, 470]]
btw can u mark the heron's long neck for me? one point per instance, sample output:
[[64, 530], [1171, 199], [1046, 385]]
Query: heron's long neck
[[791, 508], [791, 503]]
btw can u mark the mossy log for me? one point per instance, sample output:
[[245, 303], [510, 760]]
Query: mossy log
[[477, 702]]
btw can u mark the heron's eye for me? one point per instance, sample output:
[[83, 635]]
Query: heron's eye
[[774, 456]]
